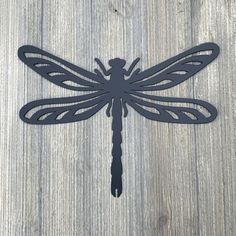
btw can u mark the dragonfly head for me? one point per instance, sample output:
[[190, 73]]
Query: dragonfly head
[[117, 63]]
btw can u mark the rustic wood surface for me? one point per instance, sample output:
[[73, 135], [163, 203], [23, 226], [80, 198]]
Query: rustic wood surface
[[178, 179]]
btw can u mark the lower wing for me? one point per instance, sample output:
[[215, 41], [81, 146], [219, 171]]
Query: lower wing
[[63, 110], [171, 110]]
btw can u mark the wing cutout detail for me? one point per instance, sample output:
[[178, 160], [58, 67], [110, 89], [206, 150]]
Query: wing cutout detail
[[172, 110], [59, 71], [63, 110], [174, 70]]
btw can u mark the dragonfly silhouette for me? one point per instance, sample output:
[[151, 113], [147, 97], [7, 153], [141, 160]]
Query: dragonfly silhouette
[[118, 87]]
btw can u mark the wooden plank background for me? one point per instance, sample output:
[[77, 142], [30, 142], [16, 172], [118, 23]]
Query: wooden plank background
[[178, 179]]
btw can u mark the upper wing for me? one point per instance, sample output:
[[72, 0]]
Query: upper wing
[[63, 110], [172, 110], [174, 70], [59, 71]]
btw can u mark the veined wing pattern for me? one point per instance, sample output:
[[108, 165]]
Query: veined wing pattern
[[66, 75], [166, 75]]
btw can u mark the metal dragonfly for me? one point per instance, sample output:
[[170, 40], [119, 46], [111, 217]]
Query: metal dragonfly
[[118, 87]]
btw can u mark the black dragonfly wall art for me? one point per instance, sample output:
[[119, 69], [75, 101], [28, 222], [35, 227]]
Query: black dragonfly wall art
[[118, 88]]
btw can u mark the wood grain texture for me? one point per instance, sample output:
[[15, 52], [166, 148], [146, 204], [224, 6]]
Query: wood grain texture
[[178, 179]]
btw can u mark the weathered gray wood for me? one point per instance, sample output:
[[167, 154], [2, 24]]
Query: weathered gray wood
[[178, 179]]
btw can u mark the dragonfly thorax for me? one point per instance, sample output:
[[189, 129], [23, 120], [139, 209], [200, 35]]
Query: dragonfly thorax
[[117, 84]]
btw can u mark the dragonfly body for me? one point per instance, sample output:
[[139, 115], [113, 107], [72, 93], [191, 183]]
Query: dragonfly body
[[116, 165], [118, 88]]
